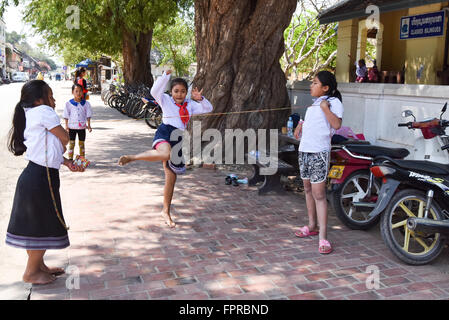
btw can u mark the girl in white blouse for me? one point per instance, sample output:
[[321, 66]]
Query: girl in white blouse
[[36, 223], [177, 111]]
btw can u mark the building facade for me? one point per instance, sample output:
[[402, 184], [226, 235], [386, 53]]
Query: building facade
[[409, 40]]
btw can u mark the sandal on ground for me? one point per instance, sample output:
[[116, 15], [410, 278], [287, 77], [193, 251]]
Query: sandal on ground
[[305, 232], [324, 247]]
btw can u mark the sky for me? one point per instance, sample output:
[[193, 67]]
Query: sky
[[13, 21]]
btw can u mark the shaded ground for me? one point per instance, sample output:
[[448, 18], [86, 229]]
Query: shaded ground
[[229, 243]]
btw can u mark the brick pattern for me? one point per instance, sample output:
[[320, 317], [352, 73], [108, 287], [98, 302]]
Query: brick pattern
[[229, 242]]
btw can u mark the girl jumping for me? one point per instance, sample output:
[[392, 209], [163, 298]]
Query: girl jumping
[[176, 110]]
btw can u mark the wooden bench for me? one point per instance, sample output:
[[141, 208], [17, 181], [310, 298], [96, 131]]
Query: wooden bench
[[273, 182]]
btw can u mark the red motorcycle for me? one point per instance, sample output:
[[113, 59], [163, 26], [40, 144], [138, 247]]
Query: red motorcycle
[[354, 189]]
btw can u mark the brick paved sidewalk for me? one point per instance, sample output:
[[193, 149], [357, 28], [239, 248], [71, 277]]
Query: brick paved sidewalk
[[230, 243]]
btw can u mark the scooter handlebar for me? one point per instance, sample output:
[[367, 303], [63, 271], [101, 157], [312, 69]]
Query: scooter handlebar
[[408, 124], [445, 147]]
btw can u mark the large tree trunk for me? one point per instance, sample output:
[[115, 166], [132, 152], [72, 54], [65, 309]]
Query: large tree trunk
[[136, 58], [239, 45]]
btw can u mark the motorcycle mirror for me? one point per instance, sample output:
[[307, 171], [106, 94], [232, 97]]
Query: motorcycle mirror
[[408, 113], [443, 110]]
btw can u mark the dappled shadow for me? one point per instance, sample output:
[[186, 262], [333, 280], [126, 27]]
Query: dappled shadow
[[229, 242]]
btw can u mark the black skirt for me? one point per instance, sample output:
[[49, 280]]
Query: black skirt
[[34, 224]]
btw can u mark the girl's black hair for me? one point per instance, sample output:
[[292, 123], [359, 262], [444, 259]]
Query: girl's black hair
[[362, 61], [328, 79], [77, 85], [177, 81], [79, 72], [31, 92]]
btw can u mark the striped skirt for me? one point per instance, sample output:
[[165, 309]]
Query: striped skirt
[[34, 224]]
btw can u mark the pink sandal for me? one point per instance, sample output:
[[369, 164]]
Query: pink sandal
[[324, 244], [305, 232]]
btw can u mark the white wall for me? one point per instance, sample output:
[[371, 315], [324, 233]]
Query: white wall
[[375, 110]]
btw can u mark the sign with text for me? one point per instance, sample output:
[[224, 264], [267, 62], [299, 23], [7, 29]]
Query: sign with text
[[422, 26]]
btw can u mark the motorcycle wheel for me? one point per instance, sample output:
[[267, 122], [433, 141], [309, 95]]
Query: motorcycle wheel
[[354, 189], [414, 248]]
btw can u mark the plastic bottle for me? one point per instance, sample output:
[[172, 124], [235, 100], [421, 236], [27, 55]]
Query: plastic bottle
[[243, 181], [290, 127]]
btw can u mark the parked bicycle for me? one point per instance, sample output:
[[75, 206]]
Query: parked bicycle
[[135, 102]]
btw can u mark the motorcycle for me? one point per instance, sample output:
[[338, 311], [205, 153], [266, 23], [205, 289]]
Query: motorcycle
[[354, 189], [414, 199]]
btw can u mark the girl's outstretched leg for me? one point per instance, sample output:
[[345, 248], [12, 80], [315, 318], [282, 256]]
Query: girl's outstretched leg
[[170, 180], [33, 273], [162, 153]]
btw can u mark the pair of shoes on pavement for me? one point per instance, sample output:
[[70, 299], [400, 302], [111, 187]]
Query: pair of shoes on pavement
[[232, 179]]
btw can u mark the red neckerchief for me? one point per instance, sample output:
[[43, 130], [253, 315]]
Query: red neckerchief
[[184, 113]]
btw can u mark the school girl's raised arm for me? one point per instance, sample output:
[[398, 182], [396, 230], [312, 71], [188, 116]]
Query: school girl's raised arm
[[158, 89], [199, 103]]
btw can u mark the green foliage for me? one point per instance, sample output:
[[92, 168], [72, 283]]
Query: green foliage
[[307, 33], [176, 42], [5, 3], [102, 23], [14, 37]]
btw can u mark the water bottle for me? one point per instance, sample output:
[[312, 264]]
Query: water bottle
[[290, 127], [243, 181]]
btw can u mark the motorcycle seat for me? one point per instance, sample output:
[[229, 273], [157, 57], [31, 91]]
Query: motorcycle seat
[[424, 166], [375, 151], [357, 142]]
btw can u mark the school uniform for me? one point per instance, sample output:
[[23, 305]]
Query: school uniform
[[77, 114], [34, 224], [174, 117]]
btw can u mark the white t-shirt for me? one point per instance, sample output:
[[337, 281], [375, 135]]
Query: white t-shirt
[[316, 130], [37, 120]]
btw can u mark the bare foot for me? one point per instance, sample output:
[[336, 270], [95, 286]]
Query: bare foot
[[168, 221], [124, 160], [53, 271], [40, 277]]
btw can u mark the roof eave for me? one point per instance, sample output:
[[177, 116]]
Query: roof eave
[[327, 17]]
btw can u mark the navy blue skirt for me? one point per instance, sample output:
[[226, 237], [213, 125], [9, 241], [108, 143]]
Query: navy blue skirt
[[34, 224], [163, 135]]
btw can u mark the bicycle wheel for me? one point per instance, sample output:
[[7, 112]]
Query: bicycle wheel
[[153, 117]]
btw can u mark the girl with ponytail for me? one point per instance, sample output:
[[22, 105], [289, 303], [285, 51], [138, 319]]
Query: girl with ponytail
[[322, 118], [36, 223], [79, 79]]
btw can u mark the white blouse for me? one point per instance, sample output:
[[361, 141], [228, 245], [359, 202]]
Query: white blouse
[[77, 114], [38, 119], [170, 111], [316, 130]]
